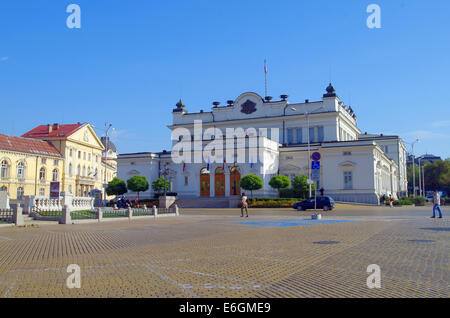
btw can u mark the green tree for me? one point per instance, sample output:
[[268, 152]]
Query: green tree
[[437, 175], [279, 182], [116, 187], [250, 183], [138, 184], [158, 184], [301, 186]]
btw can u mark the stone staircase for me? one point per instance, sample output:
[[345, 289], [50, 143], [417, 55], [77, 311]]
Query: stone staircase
[[208, 203]]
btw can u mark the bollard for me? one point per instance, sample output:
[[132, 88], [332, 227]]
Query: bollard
[[18, 215], [176, 209], [99, 214], [66, 219]]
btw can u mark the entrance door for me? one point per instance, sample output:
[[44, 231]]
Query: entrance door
[[219, 178], [204, 183], [235, 177]]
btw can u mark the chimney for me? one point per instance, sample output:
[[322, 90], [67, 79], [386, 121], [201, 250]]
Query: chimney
[[55, 126], [49, 128]]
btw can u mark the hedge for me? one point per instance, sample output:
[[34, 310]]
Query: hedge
[[272, 202]]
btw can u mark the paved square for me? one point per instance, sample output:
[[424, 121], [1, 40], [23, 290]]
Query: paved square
[[215, 253]]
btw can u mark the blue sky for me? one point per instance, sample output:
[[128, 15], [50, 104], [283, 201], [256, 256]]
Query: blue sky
[[132, 60]]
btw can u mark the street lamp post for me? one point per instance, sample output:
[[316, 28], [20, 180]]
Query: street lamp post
[[106, 156], [420, 178], [165, 172], [414, 167], [309, 154]]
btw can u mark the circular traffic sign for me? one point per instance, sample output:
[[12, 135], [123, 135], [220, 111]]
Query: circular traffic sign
[[315, 156]]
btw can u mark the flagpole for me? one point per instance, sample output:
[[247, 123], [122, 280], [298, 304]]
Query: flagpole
[[265, 77]]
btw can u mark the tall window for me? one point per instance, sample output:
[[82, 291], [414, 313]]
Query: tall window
[[290, 136], [70, 169], [311, 134], [70, 188], [20, 171], [79, 154], [4, 169], [299, 135], [78, 170], [348, 180], [320, 133], [41, 191], [55, 175], [84, 171], [42, 174], [19, 193]]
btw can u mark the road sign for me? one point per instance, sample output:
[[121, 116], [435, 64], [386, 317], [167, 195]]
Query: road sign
[[315, 165], [315, 175], [315, 156]]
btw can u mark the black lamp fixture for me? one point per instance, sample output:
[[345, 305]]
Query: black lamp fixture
[[268, 98], [230, 102], [216, 104], [284, 97]]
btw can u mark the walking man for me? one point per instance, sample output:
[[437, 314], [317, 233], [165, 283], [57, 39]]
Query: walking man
[[244, 205], [436, 204], [391, 201]]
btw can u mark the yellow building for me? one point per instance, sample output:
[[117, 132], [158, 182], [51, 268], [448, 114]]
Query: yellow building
[[70, 154], [28, 166]]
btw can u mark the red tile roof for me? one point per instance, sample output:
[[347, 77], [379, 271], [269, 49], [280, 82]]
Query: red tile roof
[[28, 145], [53, 131]]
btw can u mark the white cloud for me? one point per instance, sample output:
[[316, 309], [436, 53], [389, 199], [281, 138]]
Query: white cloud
[[4, 58]]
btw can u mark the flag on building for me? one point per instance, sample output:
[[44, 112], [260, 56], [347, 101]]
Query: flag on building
[[265, 67], [184, 166]]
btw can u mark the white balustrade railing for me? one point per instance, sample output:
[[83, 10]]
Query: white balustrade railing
[[47, 204]]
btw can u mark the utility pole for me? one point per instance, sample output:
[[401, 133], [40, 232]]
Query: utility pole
[[309, 156]]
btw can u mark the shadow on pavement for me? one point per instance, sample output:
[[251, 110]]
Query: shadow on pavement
[[440, 229]]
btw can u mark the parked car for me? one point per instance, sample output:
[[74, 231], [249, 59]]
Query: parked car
[[429, 198], [325, 203]]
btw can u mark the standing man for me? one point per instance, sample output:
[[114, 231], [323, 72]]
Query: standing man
[[436, 204], [244, 205]]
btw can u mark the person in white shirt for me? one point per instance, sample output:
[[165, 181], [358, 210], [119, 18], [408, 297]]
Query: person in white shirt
[[436, 205], [244, 205]]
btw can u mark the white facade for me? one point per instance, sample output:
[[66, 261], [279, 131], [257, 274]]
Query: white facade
[[355, 167]]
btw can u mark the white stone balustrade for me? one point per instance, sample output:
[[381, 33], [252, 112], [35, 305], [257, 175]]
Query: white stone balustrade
[[43, 203]]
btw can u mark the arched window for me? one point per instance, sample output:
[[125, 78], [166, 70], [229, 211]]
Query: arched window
[[55, 175], [19, 193], [20, 171], [70, 169], [4, 169], [3, 188], [42, 174]]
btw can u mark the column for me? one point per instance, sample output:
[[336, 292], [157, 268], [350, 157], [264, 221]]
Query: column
[[227, 183], [212, 183]]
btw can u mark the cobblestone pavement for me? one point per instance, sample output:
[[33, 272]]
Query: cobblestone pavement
[[207, 253]]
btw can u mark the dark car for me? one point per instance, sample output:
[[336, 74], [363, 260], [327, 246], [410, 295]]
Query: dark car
[[325, 203]]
